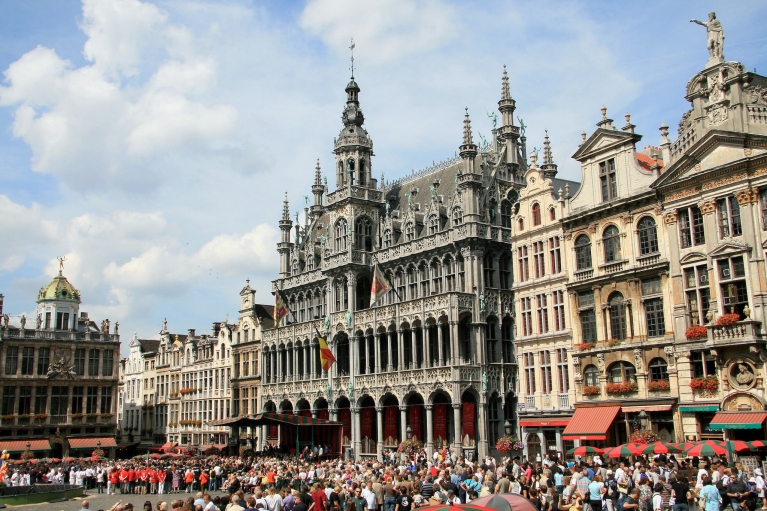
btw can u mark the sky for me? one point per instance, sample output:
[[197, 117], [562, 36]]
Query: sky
[[151, 143]]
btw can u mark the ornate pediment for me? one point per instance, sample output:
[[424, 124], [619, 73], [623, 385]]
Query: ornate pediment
[[729, 247], [602, 140], [693, 257]]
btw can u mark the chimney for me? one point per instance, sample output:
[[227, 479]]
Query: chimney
[[1, 305]]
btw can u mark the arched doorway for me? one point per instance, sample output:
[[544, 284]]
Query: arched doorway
[[368, 425], [416, 417], [533, 447], [57, 450], [468, 420], [391, 422], [442, 420], [345, 418]]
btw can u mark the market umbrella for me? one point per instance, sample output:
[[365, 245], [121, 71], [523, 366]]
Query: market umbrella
[[585, 450], [735, 445], [706, 449], [494, 502], [623, 451], [660, 448], [516, 501], [757, 444], [469, 507]]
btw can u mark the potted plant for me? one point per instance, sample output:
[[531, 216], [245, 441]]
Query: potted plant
[[591, 390], [696, 332], [614, 342], [508, 443], [9, 418], [77, 416], [643, 437], [41, 417], [728, 319], [621, 388], [585, 346], [659, 385], [410, 445], [704, 383], [107, 416]]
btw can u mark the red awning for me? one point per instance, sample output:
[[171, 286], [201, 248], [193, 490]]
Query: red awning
[[540, 423], [154, 448], [91, 443], [169, 445], [126, 445], [650, 408], [738, 420], [590, 423], [21, 445]]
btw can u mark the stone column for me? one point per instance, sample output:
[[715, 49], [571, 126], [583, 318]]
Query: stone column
[[356, 432], [441, 355], [429, 431], [308, 360], [380, 437], [457, 440], [402, 423], [390, 364], [482, 445], [414, 355], [455, 351], [376, 359], [401, 349]]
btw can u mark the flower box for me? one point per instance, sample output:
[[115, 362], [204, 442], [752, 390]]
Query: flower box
[[9, 418], [508, 443], [188, 391], [643, 437], [728, 319], [696, 332], [591, 390], [614, 342], [41, 417], [709, 383], [585, 346], [409, 445], [621, 388], [659, 385]]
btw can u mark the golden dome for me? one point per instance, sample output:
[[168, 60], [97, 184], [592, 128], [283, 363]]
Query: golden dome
[[59, 289]]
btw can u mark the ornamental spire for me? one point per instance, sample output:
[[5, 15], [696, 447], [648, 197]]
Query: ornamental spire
[[505, 94], [317, 174], [547, 158], [286, 208], [467, 129]]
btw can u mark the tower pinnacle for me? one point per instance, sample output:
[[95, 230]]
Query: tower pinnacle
[[351, 47], [467, 129], [285, 208], [317, 176], [505, 94], [549, 167]]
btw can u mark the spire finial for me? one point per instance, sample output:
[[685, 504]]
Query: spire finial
[[547, 158], [604, 113], [351, 47], [467, 129], [505, 94], [317, 174], [285, 208]]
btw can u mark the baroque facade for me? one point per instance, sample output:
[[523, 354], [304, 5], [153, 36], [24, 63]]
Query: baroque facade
[[59, 379], [436, 359]]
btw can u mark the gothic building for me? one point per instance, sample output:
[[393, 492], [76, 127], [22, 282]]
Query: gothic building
[[59, 377], [436, 359]]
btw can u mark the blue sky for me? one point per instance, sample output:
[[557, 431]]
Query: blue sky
[[152, 142]]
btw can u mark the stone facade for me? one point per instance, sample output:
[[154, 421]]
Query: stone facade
[[60, 376]]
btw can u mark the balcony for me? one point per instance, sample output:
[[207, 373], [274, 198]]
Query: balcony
[[564, 401], [741, 332], [613, 267], [530, 403], [648, 260], [584, 274]]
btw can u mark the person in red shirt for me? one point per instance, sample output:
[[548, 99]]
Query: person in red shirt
[[124, 478], [161, 475], [319, 497], [112, 480], [153, 480], [132, 476]]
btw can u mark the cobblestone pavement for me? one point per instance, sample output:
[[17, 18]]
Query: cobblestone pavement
[[103, 501]]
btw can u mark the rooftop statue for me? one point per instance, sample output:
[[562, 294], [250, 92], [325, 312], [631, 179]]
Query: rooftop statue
[[715, 33]]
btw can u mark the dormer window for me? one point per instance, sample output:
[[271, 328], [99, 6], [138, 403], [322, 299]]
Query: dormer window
[[409, 231], [433, 224], [608, 180]]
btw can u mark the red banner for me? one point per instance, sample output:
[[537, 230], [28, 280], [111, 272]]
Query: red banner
[[323, 414], [366, 422], [390, 422], [345, 416], [304, 413], [273, 430], [468, 420], [415, 421], [440, 421]]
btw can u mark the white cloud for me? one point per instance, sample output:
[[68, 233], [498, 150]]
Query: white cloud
[[22, 230]]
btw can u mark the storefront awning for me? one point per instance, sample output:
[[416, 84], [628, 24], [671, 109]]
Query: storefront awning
[[127, 445], [168, 445], [21, 445], [92, 442], [738, 420], [543, 423], [155, 448], [698, 408], [650, 408], [590, 423], [269, 418]]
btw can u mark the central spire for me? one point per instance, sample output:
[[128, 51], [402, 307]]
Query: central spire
[[351, 47]]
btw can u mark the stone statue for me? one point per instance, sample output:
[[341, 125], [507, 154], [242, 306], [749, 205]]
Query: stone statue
[[351, 388], [745, 376], [325, 181], [117, 327], [165, 324], [327, 323], [521, 127], [433, 193], [6, 319], [23, 321], [388, 206], [484, 382], [482, 302], [494, 118], [535, 152], [328, 390], [38, 322], [483, 144], [409, 200], [715, 33], [306, 200], [348, 320]]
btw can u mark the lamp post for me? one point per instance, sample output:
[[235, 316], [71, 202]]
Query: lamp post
[[28, 445], [507, 427], [409, 433], [644, 420]]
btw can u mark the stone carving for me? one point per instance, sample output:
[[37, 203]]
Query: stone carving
[[742, 402], [717, 114], [714, 37], [638, 358], [670, 218], [735, 178], [683, 193], [601, 361], [671, 355], [60, 367], [23, 321], [747, 196], [741, 375], [707, 207], [757, 95], [38, 322], [6, 318], [685, 122]]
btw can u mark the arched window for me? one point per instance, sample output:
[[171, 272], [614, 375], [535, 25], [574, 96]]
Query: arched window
[[341, 176], [412, 283], [436, 277], [621, 372], [520, 225], [296, 269], [648, 236], [433, 224], [409, 231], [617, 317], [363, 172], [350, 170], [423, 278], [491, 338], [658, 369], [583, 252], [340, 235], [591, 375], [449, 274], [363, 234], [612, 243], [457, 216], [343, 355], [504, 270], [552, 214], [505, 214], [536, 214], [387, 239]]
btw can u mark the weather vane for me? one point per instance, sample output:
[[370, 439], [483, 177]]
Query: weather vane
[[351, 47]]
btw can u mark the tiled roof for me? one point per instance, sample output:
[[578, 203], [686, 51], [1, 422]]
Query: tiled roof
[[21, 445], [646, 162], [590, 423]]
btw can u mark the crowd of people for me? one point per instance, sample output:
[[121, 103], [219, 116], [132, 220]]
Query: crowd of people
[[271, 481]]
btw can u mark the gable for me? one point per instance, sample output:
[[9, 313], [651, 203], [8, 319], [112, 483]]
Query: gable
[[604, 140], [693, 257], [729, 248]]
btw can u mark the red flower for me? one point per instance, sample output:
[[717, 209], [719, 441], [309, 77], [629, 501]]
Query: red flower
[[728, 319], [585, 346], [659, 385], [591, 390], [621, 388], [696, 332], [710, 383]]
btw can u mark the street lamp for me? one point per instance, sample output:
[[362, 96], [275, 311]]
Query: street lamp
[[409, 433], [507, 427], [644, 419], [28, 445], [98, 444]]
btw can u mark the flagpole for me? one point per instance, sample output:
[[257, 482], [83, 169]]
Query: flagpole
[[375, 262]]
